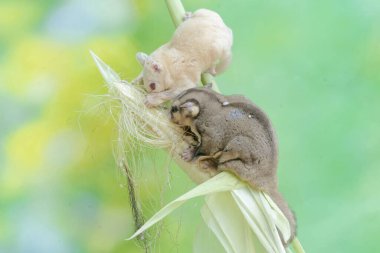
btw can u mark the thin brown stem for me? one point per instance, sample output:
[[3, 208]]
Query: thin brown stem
[[136, 210]]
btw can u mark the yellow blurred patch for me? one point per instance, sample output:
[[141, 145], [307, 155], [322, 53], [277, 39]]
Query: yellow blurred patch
[[25, 152], [25, 148], [31, 59], [119, 53], [17, 16], [141, 6], [66, 76]]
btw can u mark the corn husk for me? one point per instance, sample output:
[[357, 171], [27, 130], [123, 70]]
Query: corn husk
[[241, 219]]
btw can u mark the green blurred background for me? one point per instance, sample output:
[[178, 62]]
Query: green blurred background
[[313, 66]]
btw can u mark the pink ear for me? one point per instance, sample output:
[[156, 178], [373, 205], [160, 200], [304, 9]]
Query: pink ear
[[155, 67]]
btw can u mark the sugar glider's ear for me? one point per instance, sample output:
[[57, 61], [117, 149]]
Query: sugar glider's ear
[[142, 58], [190, 109]]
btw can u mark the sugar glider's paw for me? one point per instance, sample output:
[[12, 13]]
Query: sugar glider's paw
[[148, 103], [138, 80], [153, 100], [187, 15], [188, 154]]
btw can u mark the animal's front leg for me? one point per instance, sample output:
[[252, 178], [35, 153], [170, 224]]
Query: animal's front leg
[[192, 138], [189, 153], [157, 98], [138, 80]]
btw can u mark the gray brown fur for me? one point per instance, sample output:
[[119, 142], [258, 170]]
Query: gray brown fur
[[235, 135]]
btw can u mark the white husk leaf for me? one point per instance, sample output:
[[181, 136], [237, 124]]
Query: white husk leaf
[[242, 219], [220, 183], [143, 124], [234, 234]]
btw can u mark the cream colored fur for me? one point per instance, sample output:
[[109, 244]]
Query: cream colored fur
[[202, 43]]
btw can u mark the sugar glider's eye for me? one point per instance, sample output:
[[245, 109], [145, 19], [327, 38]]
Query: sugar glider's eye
[[156, 67], [152, 86], [174, 109]]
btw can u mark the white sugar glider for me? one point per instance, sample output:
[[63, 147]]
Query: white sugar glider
[[202, 43]]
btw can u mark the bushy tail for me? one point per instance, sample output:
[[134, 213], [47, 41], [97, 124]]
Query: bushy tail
[[281, 203]]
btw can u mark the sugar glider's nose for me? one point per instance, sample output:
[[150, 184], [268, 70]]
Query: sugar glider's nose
[[152, 86]]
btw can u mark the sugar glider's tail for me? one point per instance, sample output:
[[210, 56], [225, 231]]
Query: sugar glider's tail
[[281, 203]]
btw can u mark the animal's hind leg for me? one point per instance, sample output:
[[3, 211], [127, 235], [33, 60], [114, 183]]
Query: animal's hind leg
[[209, 161], [223, 63], [238, 168], [237, 149], [237, 157], [212, 70]]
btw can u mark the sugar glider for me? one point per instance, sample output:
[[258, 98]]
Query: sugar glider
[[233, 134], [202, 43]]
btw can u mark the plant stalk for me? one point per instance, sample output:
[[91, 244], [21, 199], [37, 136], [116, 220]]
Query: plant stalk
[[176, 10], [296, 244]]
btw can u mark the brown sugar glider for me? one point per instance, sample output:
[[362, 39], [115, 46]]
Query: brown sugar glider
[[231, 134]]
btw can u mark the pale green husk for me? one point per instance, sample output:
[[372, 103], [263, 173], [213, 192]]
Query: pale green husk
[[242, 219]]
